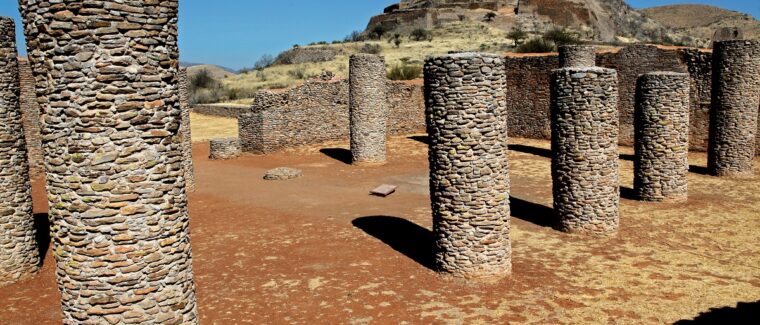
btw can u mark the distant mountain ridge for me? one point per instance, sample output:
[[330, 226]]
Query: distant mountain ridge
[[702, 20], [186, 64]]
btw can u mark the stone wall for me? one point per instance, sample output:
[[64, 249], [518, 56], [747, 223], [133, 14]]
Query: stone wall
[[528, 84], [317, 111], [661, 164], [585, 156], [30, 110], [19, 255], [469, 169], [219, 110], [106, 76], [185, 132], [227, 148]]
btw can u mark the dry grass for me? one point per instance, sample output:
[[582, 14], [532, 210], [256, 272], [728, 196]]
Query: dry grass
[[204, 127]]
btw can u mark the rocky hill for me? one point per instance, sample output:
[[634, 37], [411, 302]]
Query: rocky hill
[[702, 21], [597, 20]]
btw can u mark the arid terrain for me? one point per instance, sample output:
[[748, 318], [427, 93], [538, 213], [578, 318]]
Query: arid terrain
[[702, 21], [320, 250]]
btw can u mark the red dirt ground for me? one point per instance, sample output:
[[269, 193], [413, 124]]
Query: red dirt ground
[[320, 250]]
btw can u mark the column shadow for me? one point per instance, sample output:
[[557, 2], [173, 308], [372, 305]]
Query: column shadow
[[743, 313], [420, 138], [339, 154], [546, 153], [534, 213], [404, 236], [628, 193], [625, 156], [42, 229], [699, 170]]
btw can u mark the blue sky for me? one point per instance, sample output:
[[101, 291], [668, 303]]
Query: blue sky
[[234, 33]]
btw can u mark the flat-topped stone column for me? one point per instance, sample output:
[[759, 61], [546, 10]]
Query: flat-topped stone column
[[469, 170], [225, 148], [184, 130], [106, 74], [368, 109], [19, 253], [585, 150], [734, 114], [661, 163], [576, 56]]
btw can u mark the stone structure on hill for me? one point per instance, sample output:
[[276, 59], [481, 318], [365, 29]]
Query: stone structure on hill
[[735, 102], [184, 130], [585, 150], [469, 170], [368, 109], [106, 77], [19, 254], [661, 163], [571, 56]]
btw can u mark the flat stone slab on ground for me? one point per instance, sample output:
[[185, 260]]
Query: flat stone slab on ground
[[282, 173], [384, 190]]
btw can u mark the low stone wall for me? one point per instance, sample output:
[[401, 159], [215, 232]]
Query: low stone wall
[[227, 148], [220, 110], [317, 111]]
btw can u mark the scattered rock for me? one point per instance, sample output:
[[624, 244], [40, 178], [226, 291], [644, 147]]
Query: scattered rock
[[282, 174]]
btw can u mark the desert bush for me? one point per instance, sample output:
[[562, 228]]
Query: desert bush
[[202, 79], [421, 34], [378, 32], [263, 62], [536, 45], [517, 35], [355, 36], [489, 17], [370, 48], [405, 72], [297, 73], [560, 37]]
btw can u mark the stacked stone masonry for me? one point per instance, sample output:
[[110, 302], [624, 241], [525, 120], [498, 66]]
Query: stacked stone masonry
[[106, 76], [529, 78], [735, 102], [571, 56], [30, 111], [469, 171], [19, 255], [318, 111], [184, 131], [227, 148], [368, 109], [585, 150], [661, 163]]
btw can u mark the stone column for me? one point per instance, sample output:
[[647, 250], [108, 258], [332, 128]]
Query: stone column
[[107, 79], [184, 130], [226, 148], [19, 255], [734, 114], [585, 149], [469, 172], [577, 56], [661, 119], [368, 109]]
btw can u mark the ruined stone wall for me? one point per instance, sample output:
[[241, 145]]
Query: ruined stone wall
[[577, 56], [19, 255], [469, 170], [528, 84], [185, 133], [318, 111], [735, 103], [368, 109], [227, 148], [661, 163], [585, 158], [219, 110], [30, 111], [106, 79]]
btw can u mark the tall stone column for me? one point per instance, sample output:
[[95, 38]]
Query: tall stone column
[[367, 108], [734, 114], [577, 56], [184, 130], [19, 254], [106, 77], [469, 172], [661, 119], [585, 150]]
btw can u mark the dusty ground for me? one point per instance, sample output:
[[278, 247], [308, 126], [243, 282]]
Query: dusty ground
[[319, 250]]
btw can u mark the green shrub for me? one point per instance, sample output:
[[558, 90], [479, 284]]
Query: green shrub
[[421, 34], [536, 45], [560, 37], [378, 32], [355, 36], [489, 17], [370, 48], [298, 73], [405, 72], [517, 35]]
